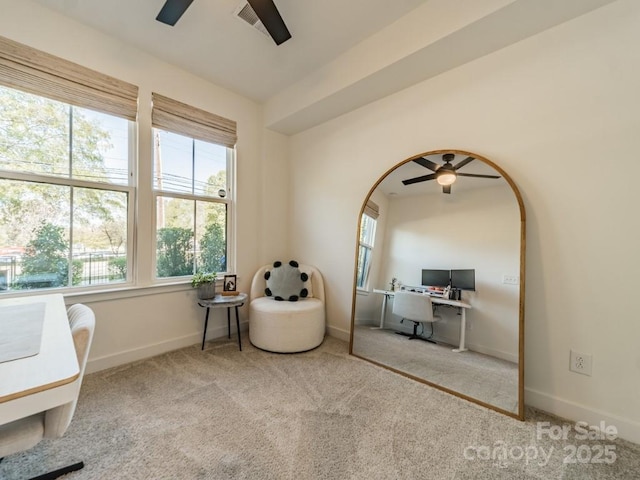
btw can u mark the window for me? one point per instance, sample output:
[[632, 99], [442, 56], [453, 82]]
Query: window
[[367, 240], [64, 194], [190, 182], [193, 198], [66, 187], [67, 178]]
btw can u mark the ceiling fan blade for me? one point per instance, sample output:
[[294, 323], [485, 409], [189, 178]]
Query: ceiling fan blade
[[172, 11], [477, 176], [427, 164], [446, 189], [423, 178], [464, 162], [270, 17]]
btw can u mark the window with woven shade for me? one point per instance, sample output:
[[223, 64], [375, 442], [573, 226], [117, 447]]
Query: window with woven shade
[[193, 167], [67, 187]]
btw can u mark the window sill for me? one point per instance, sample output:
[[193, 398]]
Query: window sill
[[114, 293], [135, 291], [126, 292]]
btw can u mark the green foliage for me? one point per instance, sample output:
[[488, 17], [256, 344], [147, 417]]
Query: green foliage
[[35, 138], [213, 249], [118, 268], [76, 272], [201, 278], [45, 263], [175, 252], [215, 183]]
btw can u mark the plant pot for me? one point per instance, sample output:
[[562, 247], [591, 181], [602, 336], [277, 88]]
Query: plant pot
[[207, 291]]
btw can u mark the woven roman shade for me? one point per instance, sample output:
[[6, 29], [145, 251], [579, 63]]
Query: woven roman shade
[[33, 71], [371, 209], [177, 117]]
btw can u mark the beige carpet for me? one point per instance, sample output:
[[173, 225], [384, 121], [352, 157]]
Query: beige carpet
[[488, 379], [225, 414]]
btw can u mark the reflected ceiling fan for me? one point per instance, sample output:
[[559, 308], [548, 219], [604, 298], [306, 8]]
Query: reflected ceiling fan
[[445, 174], [264, 10]]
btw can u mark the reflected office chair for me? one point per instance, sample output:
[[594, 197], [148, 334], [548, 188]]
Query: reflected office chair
[[416, 307], [25, 433]]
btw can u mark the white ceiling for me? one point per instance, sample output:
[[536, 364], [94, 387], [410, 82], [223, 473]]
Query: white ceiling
[[343, 54], [210, 41]]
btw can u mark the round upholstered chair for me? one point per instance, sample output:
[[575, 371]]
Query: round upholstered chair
[[285, 326]]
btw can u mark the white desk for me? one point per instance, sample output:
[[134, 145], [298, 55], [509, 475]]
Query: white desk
[[48, 379], [462, 308]]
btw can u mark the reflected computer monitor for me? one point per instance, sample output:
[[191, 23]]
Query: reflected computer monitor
[[463, 279], [435, 278]]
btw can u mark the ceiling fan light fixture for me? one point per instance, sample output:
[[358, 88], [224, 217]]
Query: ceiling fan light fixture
[[445, 177]]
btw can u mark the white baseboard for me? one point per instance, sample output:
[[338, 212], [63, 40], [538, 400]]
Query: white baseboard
[[627, 429], [449, 340], [148, 351], [339, 333], [492, 353], [479, 349]]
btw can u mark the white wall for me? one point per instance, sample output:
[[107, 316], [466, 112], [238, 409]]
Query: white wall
[[554, 111], [149, 323]]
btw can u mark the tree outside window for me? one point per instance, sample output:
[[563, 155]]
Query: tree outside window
[[64, 193], [190, 181]]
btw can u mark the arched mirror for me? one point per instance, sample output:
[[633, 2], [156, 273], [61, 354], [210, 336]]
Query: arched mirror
[[445, 229]]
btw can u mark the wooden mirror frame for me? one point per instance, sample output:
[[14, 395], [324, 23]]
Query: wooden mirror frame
[[519, 414]]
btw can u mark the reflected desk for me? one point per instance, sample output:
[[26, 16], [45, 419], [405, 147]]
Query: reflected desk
[[461, 306], [49, 378]]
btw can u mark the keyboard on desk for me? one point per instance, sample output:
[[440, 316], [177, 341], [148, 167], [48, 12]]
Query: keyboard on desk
[[425, 292]]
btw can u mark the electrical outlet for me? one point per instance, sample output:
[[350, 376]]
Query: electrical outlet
[[580, 363], [511, 279]]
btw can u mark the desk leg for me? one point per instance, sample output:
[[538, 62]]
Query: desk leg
[[228, 323], [206, 322], [238, 328], [383, 313], [463, 331]]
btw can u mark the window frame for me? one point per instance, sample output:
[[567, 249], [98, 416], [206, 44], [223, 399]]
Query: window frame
[[228, 200], [369, 247], [130, 189]]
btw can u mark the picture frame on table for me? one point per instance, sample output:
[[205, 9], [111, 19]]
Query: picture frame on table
[[229, 285]]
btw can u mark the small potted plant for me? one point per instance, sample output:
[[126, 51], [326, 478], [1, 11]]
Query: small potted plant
[[206, 285]]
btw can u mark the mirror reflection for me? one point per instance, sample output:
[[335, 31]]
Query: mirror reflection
[[438, 291]]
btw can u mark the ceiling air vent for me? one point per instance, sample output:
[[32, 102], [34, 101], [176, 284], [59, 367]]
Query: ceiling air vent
[[246, 13]]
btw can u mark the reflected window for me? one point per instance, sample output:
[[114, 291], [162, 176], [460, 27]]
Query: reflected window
[[367, 240]]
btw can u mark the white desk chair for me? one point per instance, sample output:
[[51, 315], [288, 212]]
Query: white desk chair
[[416, 307], [25, 433]]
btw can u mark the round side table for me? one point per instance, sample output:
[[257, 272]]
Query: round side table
[[224, 301]]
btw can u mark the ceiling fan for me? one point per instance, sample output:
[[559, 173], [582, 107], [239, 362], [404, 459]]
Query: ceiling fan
[[445, 174], [265, 10]]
